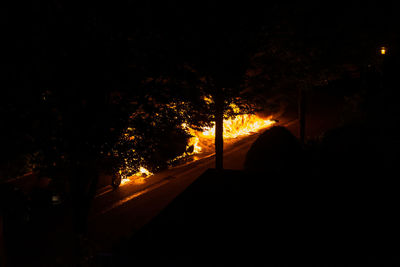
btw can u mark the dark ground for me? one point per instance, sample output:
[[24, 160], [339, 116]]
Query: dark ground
[[340, 210], [224, 218]]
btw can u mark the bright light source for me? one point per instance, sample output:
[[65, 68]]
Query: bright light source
[[383, 50]]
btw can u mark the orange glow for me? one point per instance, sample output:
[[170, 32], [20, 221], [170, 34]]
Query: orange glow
[[383, 50], [202, 142], [138, 178], [241, 125], [124, 181], [193, 141], [143, 172], [238, 126]]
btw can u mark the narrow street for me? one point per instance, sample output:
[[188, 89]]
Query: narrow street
[[117, 214]]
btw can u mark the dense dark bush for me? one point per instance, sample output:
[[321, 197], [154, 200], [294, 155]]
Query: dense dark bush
[[276, 151]]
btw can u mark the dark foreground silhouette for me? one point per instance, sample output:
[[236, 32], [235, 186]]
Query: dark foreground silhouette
[[276, 151], [230, 217], [287, 206]]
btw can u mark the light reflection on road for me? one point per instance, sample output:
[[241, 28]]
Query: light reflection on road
[[135, 195]]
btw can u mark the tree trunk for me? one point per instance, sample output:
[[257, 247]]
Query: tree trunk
[[219, 129], [302, 114]]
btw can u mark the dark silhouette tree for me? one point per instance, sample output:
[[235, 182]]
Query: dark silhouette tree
[[218, 47], [60, 109]]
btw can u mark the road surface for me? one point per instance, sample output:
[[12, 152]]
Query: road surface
[[132, 205], [116, 215]]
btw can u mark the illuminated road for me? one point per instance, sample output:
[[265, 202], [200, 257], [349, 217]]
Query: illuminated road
[[115, 215], [118, 213]]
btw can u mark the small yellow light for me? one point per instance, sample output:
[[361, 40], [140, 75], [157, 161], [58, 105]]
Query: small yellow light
[[383, 50]]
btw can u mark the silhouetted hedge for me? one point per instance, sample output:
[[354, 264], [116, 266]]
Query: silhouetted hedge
[[276, 151]]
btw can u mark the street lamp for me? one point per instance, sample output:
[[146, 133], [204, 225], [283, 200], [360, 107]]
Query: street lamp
[[383, 50]]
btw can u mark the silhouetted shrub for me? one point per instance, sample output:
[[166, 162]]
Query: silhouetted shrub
[[276, 151]]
